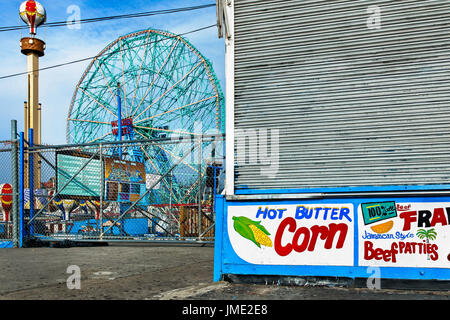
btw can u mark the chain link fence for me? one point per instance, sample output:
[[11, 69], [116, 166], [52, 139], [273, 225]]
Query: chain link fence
[[6, 191], [155, 190]]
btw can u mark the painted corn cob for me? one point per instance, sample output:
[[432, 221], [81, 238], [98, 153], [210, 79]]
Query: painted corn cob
[[253, 231]]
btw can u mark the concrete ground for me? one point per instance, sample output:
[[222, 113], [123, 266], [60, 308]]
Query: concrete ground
[[152, 272]]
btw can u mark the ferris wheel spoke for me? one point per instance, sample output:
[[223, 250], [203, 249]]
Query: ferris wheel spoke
[[110, 73], [176, 109], [170, 89], [140, 70], [153, 165], [99, 138], [105, 64], [190, 95], [141, 135], [100, 104], [176, 157], [188, 133], [200, 102], [123, 77], [106, 81], [130, 73], [90, 121], [156, 76]]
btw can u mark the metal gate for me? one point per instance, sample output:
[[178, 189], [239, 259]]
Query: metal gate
[[87, 193], [356, 104]]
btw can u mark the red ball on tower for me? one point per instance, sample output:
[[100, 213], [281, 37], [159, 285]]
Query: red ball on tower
[[33, 14]]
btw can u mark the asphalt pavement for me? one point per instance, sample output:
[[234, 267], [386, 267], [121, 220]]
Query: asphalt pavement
[[154, 272]]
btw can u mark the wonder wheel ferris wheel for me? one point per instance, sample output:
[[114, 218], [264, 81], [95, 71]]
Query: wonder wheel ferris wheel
[[149, 84]]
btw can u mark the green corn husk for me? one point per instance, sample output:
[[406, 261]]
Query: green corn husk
[[242, 226], [248, 221], [245, 231]]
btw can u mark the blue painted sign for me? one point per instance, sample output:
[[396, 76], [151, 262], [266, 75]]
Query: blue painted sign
[[406, 238]]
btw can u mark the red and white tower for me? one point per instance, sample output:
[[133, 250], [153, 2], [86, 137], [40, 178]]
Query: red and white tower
[[34, 15]]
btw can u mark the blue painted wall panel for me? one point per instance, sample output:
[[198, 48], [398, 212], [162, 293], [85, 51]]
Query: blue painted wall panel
[[412, 265]]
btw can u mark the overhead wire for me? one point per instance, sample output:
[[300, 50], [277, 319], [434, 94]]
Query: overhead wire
[[94, 57], [109, 18]]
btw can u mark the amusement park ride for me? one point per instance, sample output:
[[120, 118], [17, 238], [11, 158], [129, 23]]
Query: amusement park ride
[[166, 88], [34, 15], [147, 88]]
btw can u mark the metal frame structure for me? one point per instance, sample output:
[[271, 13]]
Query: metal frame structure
[[146, 85], [36, 220]]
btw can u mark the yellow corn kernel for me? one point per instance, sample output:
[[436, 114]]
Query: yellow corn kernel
[[260, 236]]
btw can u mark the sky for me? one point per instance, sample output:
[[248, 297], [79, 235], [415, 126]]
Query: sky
[[64, 44]]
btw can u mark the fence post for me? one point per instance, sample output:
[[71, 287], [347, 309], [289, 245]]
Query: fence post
[[21, 189], [31, 178], [102, 191], [213, 204], [15, 183], [200, 150], [170, 201], [119, 118]]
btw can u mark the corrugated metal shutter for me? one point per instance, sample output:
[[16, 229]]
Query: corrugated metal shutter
[[354, 106]]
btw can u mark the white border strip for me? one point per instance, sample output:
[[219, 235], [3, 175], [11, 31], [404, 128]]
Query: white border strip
[[229, 100]]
